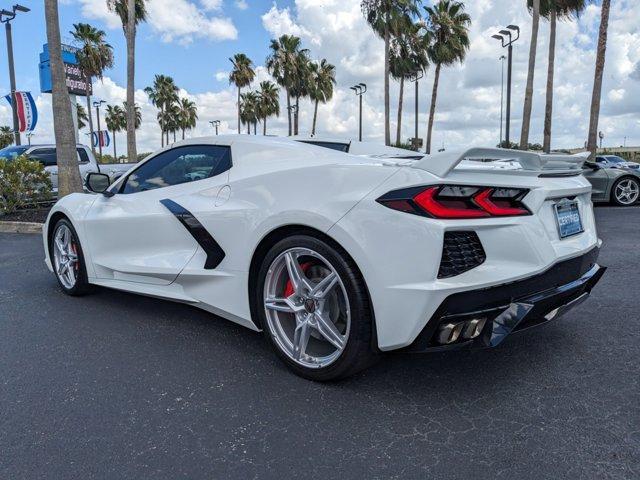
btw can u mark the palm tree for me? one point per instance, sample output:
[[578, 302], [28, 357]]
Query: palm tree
[[248, 110], [408, 56], [283, 66], [95, 55], [268, 103], [6, 136], [241, 75], [116, 120], [385, 18], [448, 27], [81, 114], [592, 142], [188, 114], [129, 25], [163, 94], [322, 79], [69, 180], [528, 94], [552, 10]]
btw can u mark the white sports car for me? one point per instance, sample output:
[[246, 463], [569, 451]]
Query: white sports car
[[338, 257]]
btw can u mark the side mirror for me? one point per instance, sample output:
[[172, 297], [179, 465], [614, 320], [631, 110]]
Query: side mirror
[[98, 183]]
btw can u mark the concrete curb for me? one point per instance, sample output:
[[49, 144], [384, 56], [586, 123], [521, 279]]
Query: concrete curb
[[20, 227]]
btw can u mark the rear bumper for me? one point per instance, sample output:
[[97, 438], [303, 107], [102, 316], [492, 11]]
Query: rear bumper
[[513, 307]]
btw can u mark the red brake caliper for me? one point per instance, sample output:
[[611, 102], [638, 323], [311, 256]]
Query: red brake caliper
[[288, 288]]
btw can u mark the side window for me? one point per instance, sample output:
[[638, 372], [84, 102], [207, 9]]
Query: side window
[[179, 165], [82, 155], [46, 156], [341, 147]]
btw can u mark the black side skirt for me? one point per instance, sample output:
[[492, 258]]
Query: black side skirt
[[214, 252]]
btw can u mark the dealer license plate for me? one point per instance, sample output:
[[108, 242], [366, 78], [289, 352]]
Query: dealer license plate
[[568, 218]]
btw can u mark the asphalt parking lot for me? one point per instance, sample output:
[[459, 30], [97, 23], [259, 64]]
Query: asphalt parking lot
[[114, 385]]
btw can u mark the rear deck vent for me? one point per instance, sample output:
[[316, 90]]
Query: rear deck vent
[[461, 252]]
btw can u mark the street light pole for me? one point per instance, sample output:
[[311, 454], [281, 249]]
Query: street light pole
[[214, 124], [10, 15], [508, 38], [502, 59], [360, 90], [415, 77], [97, 105]]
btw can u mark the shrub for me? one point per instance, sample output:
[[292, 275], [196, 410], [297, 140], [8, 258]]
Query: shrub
[[23, 183]]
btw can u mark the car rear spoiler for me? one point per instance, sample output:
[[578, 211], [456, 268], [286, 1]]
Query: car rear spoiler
[[442, 163]]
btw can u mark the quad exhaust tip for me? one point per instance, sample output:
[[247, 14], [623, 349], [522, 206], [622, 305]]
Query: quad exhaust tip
[[450, 332]]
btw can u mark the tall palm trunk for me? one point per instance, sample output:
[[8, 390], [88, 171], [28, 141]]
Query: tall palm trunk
[[387, 114], [238, 109], [548, 111], [255, 127], [183, 134], [528, 96], [296, 116], [592, 142], [264, 125], [315, 116], [399, 124], [289, 110], [89, 116], [432, 109], [115, 156], [69, 180], [130, 33]]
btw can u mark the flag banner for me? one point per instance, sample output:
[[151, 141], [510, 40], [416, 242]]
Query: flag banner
[[101, 138], [27, 111]]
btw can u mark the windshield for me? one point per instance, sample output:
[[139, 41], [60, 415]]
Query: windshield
[[12, 152], [614, 159]]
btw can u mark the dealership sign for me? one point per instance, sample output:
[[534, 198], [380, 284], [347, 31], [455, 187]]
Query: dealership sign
[[76, 82]]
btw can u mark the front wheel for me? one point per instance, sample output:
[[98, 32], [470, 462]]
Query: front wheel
[[67, 259], [314, 307], [625, 192]]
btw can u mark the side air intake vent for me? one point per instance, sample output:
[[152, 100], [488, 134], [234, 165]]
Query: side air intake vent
[[462, 251]]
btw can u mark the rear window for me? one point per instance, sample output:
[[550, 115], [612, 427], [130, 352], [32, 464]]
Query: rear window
[[341, 147], [46, 156]]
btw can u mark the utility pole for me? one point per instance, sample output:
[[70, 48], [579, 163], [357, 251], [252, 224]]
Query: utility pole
[[6, 16], [360, 89], [507, 38], [97, 105]]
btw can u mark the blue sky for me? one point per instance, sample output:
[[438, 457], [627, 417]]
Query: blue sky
[[191, 40], [192, 65]]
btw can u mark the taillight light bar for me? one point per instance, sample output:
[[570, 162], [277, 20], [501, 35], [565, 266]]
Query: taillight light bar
[[458, 201]]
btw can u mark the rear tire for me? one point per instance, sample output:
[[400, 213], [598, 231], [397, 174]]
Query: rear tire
[[320, 333], [67, 259], [625, 191]]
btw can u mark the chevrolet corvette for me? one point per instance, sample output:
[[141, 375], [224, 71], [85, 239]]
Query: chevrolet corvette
[[338, 257]]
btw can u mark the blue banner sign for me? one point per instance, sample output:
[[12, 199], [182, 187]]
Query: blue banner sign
[[76, 82]]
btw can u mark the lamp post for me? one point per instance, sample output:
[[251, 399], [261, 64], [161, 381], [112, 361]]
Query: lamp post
[[507, 38], [360, 89], [29, 135], [415, 77], [502, 59], [601, 137], [97, 105], [215, 124], [6, 16]]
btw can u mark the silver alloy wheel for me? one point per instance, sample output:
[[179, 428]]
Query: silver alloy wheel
[[627, 191], [307, 307], [65, 256]]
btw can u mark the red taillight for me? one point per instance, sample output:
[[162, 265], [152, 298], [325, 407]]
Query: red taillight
[[451, 209], [457, 202]]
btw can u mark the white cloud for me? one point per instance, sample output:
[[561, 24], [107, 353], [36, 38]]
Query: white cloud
[[222, 76], [241, 4], [173, 20]]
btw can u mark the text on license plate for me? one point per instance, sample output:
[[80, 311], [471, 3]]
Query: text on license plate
[[568, 218]]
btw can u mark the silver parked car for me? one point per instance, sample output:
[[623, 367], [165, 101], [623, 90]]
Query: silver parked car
[[618, 185]]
